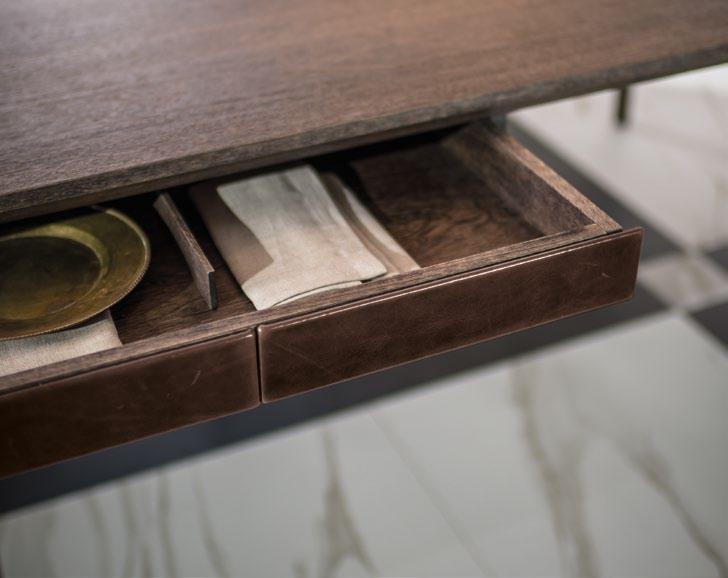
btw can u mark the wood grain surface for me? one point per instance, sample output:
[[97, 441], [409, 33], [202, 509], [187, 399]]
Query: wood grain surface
[[102, 99], [431, 203], [523, 181], [46, 423], [310, 351], [200, 267]]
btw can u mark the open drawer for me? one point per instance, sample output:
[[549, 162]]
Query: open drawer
[[503, 243]]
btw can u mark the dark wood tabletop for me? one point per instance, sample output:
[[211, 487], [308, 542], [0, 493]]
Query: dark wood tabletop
[[105, 98]]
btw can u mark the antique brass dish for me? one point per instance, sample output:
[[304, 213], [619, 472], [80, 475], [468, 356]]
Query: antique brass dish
[[56, 274]]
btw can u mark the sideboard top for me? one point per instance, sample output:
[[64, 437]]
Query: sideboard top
[[105, 98]]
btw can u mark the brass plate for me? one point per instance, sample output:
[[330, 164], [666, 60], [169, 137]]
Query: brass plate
[[58, 274]]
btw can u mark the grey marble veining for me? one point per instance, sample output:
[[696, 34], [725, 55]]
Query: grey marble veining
[[219, 561], [340, 540], [329, 500], [559, 425], [557, 456], [603, 457]]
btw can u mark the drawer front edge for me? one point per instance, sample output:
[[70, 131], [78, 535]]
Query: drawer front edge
[[69, 417], [314, 350]]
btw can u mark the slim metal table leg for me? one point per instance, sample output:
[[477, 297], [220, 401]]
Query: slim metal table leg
[[623, 106]]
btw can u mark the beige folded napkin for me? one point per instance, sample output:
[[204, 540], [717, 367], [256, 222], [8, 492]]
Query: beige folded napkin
[[284, 238], [30, 352], [370, 231]]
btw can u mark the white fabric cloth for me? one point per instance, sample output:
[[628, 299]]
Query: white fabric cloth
[[284, 238], [30, 352]]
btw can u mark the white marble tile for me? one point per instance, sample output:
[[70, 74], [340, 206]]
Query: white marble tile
[[686, 280], [606, 456], [326, 501], [462, 439], [670, 164]]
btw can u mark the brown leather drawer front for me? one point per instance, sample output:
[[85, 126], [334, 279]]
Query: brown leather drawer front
[[69, 417], [318, 349]]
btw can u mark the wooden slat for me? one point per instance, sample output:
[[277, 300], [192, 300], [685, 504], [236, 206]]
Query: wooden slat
[[200, 266], [103, 99]]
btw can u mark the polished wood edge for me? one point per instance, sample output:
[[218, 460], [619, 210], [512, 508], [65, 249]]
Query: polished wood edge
[[200, 266], [631, 233], [179, 171], [266, 332], [105, 359]]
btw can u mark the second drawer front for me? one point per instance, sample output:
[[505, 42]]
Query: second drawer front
[[70, 417], [311, 351]]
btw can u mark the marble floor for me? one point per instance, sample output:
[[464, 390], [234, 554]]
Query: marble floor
[[602, 454]]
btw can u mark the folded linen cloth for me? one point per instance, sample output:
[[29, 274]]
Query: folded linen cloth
[[283, 237], [30, 352], [370, 231]]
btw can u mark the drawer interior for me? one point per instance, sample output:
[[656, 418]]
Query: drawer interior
[[454, 200], [167, 299], [444, 196], [434, 205]]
